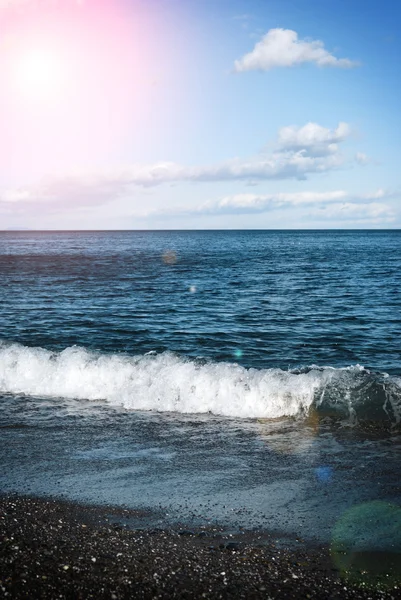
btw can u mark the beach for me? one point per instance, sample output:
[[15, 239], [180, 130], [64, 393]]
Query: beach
[[57, 549], [193, 427], [200, 300]]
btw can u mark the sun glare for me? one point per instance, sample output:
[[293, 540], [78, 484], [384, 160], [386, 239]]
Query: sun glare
[[71, 81], [39, 73]]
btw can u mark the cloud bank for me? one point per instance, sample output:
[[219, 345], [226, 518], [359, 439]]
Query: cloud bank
[[327, 204], [300, 152], [282, 48], [88, 191], [336, 205], [288, 165]]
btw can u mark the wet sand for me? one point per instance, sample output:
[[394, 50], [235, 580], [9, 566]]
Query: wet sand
[[57, 549]]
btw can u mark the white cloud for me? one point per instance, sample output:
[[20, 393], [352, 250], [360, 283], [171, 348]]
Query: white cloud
[[60, 195], [378, 195], [361, 158], [343, 202], [355, 213], [280, 165], [336, 205], [282, 48], [258, 203], [316, 139], [302, 151]]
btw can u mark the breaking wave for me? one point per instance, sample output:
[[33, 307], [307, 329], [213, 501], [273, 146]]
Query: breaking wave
[[167, 382]]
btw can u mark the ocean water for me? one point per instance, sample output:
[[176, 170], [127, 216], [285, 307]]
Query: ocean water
[[242, 378]]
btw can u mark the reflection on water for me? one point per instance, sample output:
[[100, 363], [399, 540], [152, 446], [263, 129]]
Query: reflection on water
[[290, 436]]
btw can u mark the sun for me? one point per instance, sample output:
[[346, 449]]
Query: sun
[[39, 72]]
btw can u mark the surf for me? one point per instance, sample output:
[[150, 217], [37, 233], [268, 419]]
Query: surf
[[167, 382]]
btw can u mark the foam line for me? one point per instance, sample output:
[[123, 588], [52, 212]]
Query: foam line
[[167, 382]]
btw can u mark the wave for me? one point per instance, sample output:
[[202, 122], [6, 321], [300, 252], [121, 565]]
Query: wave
[[167, 382]]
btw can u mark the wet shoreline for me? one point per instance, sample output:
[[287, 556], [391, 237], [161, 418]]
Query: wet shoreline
[[53, 548]]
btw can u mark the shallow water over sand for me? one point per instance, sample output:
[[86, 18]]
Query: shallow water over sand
[[297, 477]]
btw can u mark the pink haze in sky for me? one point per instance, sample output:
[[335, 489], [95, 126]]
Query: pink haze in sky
[[72, 76]]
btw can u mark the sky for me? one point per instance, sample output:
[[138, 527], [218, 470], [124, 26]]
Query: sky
[[200, 114]]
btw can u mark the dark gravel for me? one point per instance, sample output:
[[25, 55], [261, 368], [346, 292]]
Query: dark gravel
[[53, 549]]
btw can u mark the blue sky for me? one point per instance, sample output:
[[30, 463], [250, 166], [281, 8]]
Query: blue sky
[[214, 114]]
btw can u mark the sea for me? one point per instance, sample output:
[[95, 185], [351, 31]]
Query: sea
[[247, 380]]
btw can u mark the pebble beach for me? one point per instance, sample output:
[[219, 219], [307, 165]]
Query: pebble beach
[[57, 549]]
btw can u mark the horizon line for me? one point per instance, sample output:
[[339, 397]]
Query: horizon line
[[28, 230]]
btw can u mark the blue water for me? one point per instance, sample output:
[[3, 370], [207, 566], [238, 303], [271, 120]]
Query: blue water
[[248, 378], [264, 299]]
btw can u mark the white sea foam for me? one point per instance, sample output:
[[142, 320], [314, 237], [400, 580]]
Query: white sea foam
[[164, 382]]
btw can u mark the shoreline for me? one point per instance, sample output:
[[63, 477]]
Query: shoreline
[[56, 548]]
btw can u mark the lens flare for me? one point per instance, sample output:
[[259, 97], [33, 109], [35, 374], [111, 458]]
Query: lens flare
[[169, 257], [366, 545], [324, 474]]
